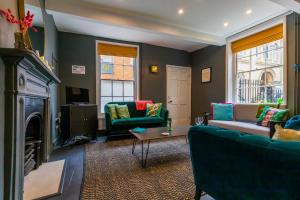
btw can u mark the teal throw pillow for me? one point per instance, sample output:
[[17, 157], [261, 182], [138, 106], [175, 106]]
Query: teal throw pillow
[[222, 111]]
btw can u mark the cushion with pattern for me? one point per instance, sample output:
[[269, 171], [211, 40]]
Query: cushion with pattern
[[153, 109], [122, 111]]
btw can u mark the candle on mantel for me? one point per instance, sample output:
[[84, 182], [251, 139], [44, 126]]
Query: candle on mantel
[[37, 53]]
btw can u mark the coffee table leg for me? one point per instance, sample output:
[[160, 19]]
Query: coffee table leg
[[142, 153], [147, 151], [186, 139], [133, 145]]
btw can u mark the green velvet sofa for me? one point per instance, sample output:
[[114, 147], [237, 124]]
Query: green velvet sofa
[[137, 119], [229, 165]]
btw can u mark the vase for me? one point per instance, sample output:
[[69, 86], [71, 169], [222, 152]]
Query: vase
[[20, 41], [169, 124]]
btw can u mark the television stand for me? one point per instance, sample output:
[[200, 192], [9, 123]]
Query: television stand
[[79, 120]]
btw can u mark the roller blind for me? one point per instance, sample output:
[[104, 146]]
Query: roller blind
[[117, 50], [263, 37]]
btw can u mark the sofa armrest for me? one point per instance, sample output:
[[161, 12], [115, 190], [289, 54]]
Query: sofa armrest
[[108, 121], [164, 114], [272, 126]]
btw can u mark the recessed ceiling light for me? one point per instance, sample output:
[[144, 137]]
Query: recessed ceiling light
[[180, 11], [248, 12], [226, 24]]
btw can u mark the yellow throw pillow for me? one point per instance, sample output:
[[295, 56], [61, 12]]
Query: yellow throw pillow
[[286, 134]]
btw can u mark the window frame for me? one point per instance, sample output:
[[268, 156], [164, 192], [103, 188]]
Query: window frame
[[231, 68], [136, 73]]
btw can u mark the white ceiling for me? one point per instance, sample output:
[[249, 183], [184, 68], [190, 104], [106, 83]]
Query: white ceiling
[[157, 21], [290, 4]]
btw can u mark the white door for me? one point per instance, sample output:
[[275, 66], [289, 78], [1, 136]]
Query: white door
[[179, 94]]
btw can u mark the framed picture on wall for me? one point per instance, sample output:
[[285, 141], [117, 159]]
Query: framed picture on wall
[[206, 75]]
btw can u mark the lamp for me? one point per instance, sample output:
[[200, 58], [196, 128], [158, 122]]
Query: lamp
[[153, 68]]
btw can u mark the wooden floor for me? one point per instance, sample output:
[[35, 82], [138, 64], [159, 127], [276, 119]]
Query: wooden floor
[[74, 171]]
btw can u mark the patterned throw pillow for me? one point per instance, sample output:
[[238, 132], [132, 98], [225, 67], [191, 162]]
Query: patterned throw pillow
[[280, 115], [263, 114], [262, 106], [113, 111], [268, 117], [153, 109], [122, 111], [271, 114]]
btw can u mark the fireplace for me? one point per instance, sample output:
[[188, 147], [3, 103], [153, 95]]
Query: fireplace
[[27, 117], [34, 134]]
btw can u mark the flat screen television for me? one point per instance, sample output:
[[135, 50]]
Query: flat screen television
[[77, 95]]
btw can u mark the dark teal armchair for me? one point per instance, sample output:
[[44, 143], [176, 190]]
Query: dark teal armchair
[[230, 165], [137, 119]]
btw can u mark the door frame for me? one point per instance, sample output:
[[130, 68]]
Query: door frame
[[190, 87]]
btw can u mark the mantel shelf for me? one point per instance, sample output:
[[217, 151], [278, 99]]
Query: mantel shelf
[[33, 58]]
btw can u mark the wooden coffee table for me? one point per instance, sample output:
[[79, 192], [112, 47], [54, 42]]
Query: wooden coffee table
[[155, 134]]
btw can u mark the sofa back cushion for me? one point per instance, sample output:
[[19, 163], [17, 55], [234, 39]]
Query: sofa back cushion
[[131, 108], [247, 112]]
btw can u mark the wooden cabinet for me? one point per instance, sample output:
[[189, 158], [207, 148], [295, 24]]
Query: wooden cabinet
[[79, 120]]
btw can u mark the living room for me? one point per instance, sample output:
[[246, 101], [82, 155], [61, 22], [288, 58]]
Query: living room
[[163, 99]]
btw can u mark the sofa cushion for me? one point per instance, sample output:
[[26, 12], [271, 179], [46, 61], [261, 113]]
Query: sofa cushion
[[123, 111], [113, 111], [222, 111], [262, 106], [153, 109], [138, 121], [245, 127], [293, 123], [245, 112]]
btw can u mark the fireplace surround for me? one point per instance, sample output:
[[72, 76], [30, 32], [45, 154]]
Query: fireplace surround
[[27, 117]]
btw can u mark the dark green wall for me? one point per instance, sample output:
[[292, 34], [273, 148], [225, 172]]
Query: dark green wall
[[76, 49], [38, 39], [153, 86], [51, 54], [205, 93], [2, 123]]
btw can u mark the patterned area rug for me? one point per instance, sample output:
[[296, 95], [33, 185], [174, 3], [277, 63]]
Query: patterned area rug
[[112, 172]]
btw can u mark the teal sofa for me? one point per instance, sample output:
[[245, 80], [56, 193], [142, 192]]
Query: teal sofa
[[231, 165], [137, 119]]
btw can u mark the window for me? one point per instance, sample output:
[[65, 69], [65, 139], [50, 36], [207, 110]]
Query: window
[[116, 78], [259, 73], [256, 72]]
